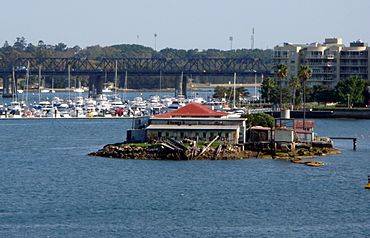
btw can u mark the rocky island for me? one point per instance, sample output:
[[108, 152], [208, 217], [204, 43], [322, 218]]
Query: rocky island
[[173, 150], [195, 132]]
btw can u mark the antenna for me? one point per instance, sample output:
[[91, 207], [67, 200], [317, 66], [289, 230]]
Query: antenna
[[252, 39]]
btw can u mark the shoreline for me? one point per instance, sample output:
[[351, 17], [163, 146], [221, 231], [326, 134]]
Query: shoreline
[[157, 151]]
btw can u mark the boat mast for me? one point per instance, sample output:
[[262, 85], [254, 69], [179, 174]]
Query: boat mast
[[27, 80], [39, 83], [160, 81], [69, 82], [125, 87], [14, 94], [234, 89], [115, 79]]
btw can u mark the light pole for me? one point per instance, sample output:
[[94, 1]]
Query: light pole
[[255, 84], [231, 42], [348, 100], [155, 41]]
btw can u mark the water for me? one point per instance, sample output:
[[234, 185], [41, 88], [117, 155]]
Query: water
[[50, 188]]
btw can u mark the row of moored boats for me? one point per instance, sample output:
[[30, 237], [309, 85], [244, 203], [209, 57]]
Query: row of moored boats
[[101, 106]]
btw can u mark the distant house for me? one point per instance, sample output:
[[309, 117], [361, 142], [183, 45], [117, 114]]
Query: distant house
[[196, 121]]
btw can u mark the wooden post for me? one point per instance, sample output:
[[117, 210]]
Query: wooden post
[[354, 143]]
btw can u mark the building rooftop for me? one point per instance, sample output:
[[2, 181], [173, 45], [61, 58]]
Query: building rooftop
[[192, 110], [192, 127]]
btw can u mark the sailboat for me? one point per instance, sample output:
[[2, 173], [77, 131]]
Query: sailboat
[[115, 80], [106, 89], [52, 85], [79, 89], [44, 90]]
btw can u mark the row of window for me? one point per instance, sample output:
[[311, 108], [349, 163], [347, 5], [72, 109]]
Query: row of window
[[202, 135]]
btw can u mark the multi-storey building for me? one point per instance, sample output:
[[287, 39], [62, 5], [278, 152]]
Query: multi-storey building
[[330, 61]]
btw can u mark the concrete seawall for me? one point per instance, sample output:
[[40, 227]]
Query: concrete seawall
[[335, 113]]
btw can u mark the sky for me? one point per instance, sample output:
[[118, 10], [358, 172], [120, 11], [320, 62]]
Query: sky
[[185, 24]]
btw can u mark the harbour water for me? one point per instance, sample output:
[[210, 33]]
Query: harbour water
[[50, 188]]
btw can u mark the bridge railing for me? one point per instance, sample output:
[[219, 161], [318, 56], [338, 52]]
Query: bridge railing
[[196, 66]]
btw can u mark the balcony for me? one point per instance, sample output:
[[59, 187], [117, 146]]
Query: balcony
[[357, 63], [354, 56], [323, 72], [354, 72]]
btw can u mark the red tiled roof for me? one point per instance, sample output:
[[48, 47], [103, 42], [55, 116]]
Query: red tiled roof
[[192, 110], [308, 124]]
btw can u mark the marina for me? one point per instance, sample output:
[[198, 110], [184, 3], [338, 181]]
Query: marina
[[120, 104]]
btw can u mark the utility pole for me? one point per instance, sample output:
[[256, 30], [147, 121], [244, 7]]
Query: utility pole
[[155, 41], [231, 42], [252, 39], [234, 89]]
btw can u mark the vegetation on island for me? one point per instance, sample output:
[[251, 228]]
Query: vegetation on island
[[259, 119]]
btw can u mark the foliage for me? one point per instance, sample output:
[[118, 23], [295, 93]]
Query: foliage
[[321, 93], [351, 89], [228, 93], [295, 90], [304, 73], [259, 119], [282, 71], [269, 90]]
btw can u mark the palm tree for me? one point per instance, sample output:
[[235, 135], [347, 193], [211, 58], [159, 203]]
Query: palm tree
[[282, 73], [304, 74], [294, 84]]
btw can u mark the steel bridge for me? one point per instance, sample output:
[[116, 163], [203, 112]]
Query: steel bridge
[[96, 69]]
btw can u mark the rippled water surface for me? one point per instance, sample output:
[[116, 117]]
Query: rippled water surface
[[50, 188]]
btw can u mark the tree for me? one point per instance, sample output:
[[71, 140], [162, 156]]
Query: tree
[[304, 74], [269, 90], [20, 43], [321, 93], [351, 89], [61, 47], [227, 92], [282, 73], [294, 85], [259, 119]]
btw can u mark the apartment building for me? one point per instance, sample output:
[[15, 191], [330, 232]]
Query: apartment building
[[330, 61]]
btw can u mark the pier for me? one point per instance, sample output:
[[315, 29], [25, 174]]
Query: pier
[[354, 140]]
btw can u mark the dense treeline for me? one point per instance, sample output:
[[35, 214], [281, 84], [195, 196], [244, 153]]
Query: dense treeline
[[352, 92], [22, 48]]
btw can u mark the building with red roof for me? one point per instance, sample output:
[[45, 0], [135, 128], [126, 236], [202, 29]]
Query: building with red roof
[[196, 121], [194, 110]]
